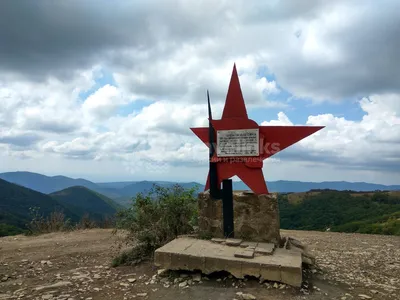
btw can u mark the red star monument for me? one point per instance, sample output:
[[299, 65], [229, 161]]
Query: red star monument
[[242, 145]]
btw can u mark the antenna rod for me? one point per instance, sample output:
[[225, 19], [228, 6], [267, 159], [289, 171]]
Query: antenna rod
[[214, 188]]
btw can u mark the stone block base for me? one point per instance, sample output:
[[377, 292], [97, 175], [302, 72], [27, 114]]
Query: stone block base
[[256, 218]]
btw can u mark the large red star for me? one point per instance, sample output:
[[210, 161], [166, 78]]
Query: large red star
[[272, 139]]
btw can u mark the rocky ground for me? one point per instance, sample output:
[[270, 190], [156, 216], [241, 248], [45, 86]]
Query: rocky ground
[[76, 265]]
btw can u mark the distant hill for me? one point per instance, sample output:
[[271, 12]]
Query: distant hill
[[45, 184], [344, 211], [49, 184], [122, 192], [15, 201], [284, 186], [80, 200]]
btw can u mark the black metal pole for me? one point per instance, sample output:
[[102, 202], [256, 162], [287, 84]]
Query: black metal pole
[[214, 188], [227, 208]]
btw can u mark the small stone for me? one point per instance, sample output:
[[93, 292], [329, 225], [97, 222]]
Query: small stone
[[131, 280], [124, 284], [183, 284], [55, 285], [276, 285], [48, 296], [246, 296], [141, 294], [96, 276], [218, 240], [160, 272], [233, 242], [196, 277], [362, 296]]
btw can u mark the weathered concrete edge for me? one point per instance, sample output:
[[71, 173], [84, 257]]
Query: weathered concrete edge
[[174, 261]]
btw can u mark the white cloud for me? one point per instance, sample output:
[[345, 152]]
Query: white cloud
[[169, 55]]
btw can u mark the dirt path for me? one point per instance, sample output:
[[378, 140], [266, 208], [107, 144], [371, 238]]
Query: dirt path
[[76, 265]]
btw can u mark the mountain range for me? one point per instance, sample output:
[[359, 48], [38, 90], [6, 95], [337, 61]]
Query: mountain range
[[75, 202], [122, 192], [368, 212]]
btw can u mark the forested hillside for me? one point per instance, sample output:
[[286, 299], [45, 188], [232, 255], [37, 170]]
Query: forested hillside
[[16, 202], [18, 205], [81, 201], [344, 211]]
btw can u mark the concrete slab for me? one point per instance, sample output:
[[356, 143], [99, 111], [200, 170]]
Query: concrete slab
[[233, 242], [265, 248], [194, 254], [249, 244], [218, 240], [244, 253]]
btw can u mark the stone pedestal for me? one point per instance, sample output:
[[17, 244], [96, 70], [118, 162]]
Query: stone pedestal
[[256, 218]]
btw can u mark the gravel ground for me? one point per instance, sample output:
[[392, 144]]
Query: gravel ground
[[76, 265]]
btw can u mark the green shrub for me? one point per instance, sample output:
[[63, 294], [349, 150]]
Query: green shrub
[[155, 219], [86, 223], [6, 229], [54, 222]]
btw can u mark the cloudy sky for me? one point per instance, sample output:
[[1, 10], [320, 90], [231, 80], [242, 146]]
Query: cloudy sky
[[107, 90]]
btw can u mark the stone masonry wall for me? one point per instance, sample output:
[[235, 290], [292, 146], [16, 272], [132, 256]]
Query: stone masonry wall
[[256, 218]]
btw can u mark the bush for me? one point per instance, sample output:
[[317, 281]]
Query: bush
[[54, 222], [155, 219], [6, 229], [86, 223]]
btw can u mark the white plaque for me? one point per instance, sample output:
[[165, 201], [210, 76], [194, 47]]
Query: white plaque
[[240, 142]]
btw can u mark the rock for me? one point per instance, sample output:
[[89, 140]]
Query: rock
[[131, 280], [196, 277], [362, 296], [183, 284], [141, 294], [96, 276], [275, 285], [248, 297], [55, 285], [244, 296], [124, 284], [161, 272]]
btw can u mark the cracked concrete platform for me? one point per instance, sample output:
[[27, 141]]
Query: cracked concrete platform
[[186, 253]]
